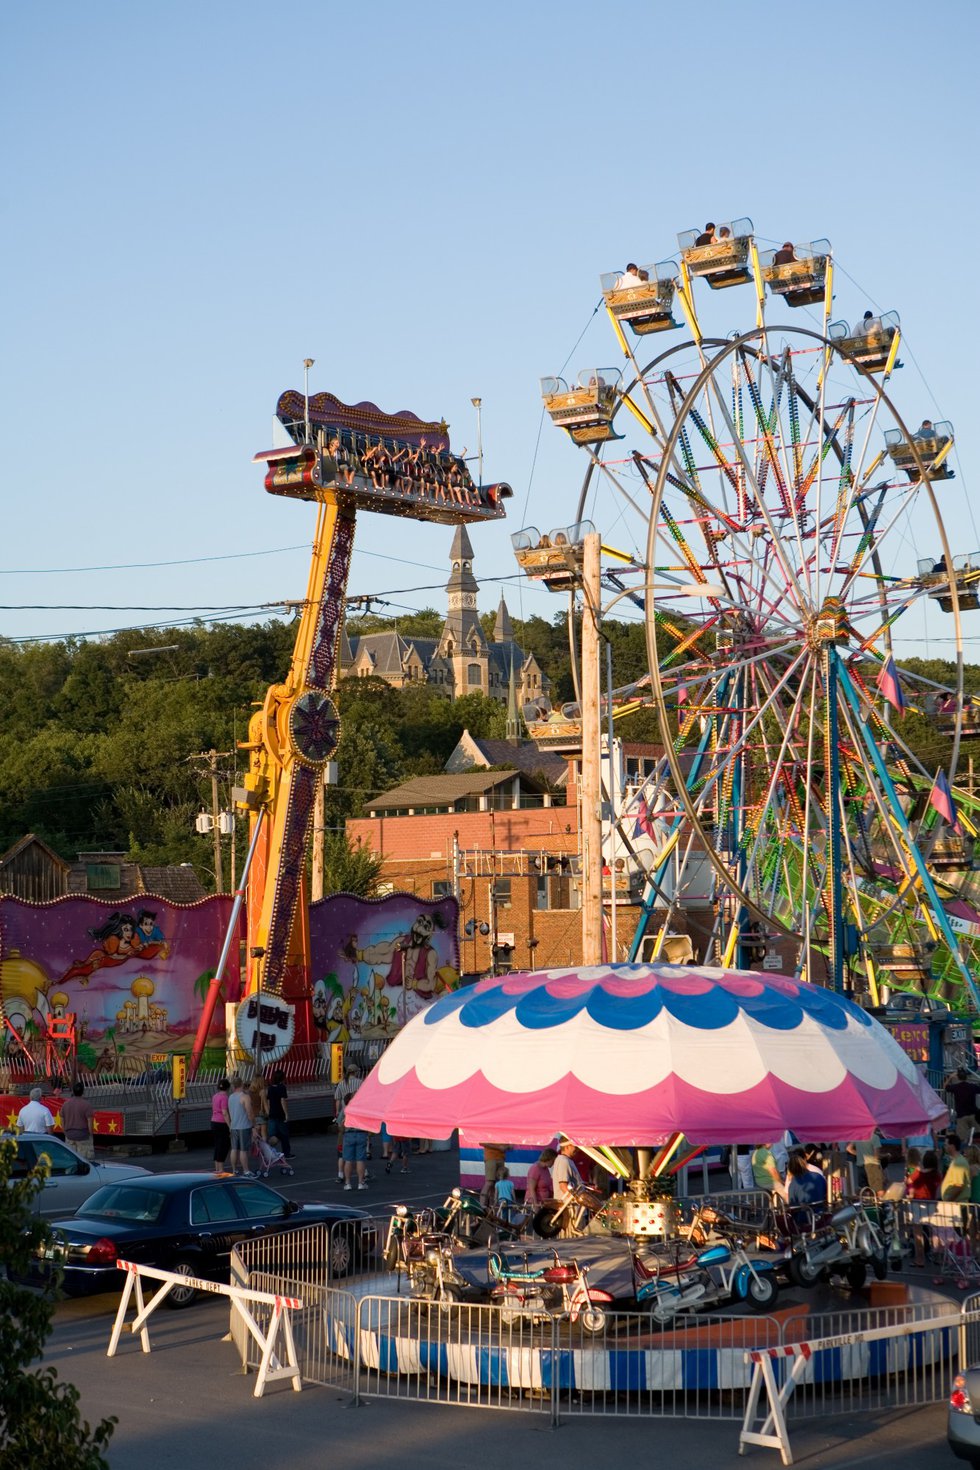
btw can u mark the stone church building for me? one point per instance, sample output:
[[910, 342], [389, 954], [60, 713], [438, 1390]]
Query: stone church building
[[461, 660]]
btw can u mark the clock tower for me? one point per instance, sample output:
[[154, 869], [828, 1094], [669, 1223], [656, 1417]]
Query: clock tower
[[463, 642]]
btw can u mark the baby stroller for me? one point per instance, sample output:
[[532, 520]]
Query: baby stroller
[[268, 1155]]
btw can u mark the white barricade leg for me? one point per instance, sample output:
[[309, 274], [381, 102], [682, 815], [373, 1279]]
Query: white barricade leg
[[270, 1369], [773, 1433], [117, 1326]]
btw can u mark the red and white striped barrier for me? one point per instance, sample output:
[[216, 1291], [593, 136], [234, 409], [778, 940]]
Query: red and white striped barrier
[[773, 1433], [271, 1368]]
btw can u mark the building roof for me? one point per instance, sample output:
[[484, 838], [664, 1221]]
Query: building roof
[[523, 755], [422, 791], [461, 547], [31, 839], [388, 650], [503, 628], [177, 882]]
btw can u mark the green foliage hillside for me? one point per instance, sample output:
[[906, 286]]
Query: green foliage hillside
[[95, 743]]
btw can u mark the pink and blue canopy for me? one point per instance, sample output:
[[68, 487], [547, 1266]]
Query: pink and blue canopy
[[633, 1054]]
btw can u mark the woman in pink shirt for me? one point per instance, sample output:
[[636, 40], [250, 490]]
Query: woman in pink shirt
[[538, 1190], [220, 1126]]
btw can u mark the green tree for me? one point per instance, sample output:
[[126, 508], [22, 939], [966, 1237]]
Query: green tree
[[350, 867], [40, 1424]]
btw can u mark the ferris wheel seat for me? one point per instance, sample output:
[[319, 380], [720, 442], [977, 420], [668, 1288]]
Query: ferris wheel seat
[[953, 854], [556, 558], [585, 411], [934, 579], [800, 282], [933, 449], [869, 346], [911, 961], [647, 307], [722, 262]]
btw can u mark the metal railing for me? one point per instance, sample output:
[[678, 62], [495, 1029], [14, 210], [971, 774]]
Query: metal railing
[[362, 1330]]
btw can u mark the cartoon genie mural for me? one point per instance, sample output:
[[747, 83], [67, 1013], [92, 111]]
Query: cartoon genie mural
[[378, 962]]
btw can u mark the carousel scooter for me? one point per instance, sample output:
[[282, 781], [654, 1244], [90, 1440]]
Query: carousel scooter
[[541, 1295]]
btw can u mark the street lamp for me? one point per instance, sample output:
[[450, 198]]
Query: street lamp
[[478, 405], [307, 364]]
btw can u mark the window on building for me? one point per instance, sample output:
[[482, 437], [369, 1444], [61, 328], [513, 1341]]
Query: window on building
[[474, 674], [501, 893], [101, 875], [442, 888]]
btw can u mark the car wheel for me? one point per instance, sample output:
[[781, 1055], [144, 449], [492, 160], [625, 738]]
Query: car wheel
[[180, 1295], [879, 1265], [342, 1253]]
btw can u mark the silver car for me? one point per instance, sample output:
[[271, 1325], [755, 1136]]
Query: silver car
[[71, 1178], [963, 1424]]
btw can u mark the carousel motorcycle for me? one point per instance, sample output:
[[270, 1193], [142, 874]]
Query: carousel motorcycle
[[818, 1243], [464, 1215], [571, 1216], [679, 1277], [538, 1295], [427, 1257]]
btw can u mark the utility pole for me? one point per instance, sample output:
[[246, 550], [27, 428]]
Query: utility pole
[[590, 823], [210, 758]]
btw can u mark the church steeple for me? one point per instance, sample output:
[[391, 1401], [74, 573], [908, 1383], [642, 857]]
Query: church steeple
[[462, 628], [503, 628]]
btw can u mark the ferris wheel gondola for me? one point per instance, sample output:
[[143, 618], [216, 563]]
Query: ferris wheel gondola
[[763, 487]]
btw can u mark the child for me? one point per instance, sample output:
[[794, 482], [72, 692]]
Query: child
[[504, 1194], [269, 1154]]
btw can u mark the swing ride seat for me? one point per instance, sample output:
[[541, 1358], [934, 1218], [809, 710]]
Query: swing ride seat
[[800, 282], [554, 559], [647, 308], [585, 411], [934, 579], [724, 262], [930, 446], [867, 349]]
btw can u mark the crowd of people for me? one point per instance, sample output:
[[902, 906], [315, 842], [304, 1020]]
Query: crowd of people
[[250, 1126], [423, 469]]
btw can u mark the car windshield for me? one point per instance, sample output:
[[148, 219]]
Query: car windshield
[[124, 1202]]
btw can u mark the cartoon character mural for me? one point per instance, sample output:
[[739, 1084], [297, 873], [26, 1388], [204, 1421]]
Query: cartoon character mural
[[379, 961], [120, 938], [137, 988]]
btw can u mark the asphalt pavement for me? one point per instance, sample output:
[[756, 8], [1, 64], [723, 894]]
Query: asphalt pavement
[[188, 1405]]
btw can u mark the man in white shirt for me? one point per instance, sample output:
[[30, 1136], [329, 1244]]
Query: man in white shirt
[[632, 276], [34, 1117], [564, 1172]]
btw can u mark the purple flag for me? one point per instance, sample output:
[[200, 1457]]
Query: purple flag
[[889, 685], [942, 799]]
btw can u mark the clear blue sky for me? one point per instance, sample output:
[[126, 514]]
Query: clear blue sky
[[421, 197]]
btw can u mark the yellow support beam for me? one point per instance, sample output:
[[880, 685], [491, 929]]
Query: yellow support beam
[[760, 286], [685, 296], [619, 332], [892, 354]]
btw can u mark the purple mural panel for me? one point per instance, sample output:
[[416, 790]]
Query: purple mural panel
[[133, 973], [377, 962]]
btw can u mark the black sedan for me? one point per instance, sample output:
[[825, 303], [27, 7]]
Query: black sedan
[[189, 1223]]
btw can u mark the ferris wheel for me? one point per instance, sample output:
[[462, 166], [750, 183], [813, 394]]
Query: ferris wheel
[[768, 510]]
